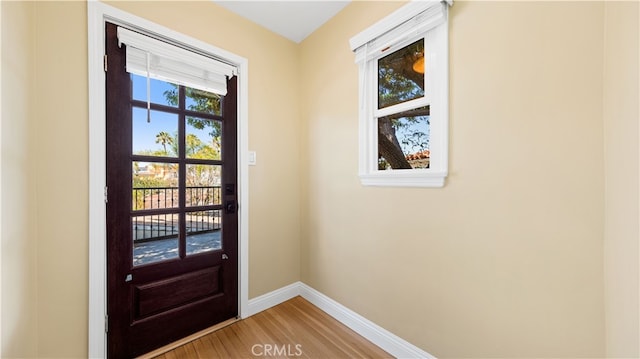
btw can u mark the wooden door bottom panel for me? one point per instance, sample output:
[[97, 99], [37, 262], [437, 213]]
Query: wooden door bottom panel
[[176, 291], [180, 342], [178, 323]]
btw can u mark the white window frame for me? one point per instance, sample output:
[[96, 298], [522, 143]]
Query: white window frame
[[392, 33]]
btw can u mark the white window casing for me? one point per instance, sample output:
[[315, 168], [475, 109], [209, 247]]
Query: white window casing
[[417, 20]]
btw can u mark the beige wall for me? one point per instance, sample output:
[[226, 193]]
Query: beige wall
[[45, 172], [19, 217], [62, 178], [1, 338], [621, 139], [506, 259]]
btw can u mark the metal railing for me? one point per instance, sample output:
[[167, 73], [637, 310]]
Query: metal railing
[[163, 226], [167, 197]]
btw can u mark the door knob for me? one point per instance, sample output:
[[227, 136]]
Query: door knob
[[230, 206]]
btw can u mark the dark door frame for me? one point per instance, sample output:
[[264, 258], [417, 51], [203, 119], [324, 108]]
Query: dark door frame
[[98, 13]]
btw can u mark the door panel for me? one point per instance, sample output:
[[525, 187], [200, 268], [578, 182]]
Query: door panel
[[162, 295], [172, 225]]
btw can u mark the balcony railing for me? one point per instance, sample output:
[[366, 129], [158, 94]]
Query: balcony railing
[[167, 197], [163, 226]]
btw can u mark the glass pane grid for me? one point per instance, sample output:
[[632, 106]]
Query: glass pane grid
[[203, 196], [203, 185], [203, 139], [204, 230], [161, 92], [404, 140], [156, 135], [202, 101], [155, 185], [158, 186], [401, 75], [155, 238]]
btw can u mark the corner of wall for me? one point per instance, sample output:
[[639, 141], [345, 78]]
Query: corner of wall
[[1, 180], [621, 110]]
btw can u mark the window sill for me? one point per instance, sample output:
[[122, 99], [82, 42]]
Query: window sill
[[404, 178]]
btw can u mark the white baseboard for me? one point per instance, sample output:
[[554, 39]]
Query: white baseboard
[[271, 299], [379, 336]]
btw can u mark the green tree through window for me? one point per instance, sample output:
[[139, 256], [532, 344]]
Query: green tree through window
[[400, 134]]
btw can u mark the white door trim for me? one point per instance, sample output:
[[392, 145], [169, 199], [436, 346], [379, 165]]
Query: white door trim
[[98, 13]]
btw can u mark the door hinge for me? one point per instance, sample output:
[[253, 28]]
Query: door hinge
[[105, 63], [106, 324], [106, 194]]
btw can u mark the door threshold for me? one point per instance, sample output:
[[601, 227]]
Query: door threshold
[[188, 339]]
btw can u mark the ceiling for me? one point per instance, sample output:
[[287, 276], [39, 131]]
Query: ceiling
[[292, 19]]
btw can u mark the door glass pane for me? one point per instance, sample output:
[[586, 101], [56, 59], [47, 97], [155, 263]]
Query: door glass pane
[[403, 140], [401, 75], [204, 138], [162, 93], [155, 238], [204, 230], [158, 137], [202, 101], [155, 185], [203, 185]]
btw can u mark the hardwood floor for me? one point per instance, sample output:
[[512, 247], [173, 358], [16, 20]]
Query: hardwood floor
[[295, 328]]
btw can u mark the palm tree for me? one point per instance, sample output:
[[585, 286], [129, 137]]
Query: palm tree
[[164, 138]]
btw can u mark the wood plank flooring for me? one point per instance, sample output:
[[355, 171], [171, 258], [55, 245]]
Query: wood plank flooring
[[293, 329]]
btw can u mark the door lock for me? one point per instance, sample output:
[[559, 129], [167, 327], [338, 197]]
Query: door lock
[[230, 206], [224, 256]]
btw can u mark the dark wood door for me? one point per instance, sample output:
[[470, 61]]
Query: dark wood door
[[172, 223]]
